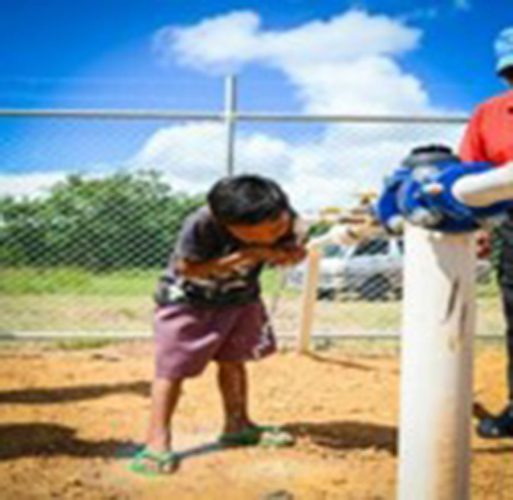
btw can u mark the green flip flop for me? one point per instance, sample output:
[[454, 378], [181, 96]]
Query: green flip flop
[[265, 436], [165, 462]]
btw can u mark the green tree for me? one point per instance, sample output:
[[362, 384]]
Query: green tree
[[127, 220]]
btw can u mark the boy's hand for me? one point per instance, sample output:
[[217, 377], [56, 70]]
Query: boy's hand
[[240, 261], [284, 256], [253, 255]]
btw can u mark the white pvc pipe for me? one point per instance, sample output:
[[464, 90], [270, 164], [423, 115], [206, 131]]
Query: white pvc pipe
[[436, 366], [308, 299], [481, 190], [340, 234]]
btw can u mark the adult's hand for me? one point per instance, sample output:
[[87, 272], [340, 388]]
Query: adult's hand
[[483, 244]]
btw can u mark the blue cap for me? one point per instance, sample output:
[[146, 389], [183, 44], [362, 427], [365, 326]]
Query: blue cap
[[504, 49]]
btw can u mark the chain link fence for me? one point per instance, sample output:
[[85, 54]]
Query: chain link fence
[[91, 204]]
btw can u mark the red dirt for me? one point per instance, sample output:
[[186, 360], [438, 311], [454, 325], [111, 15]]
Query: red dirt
[[68, 420]]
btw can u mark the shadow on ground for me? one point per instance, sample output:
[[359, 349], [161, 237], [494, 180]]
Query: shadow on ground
[[44, 440], [340, 362], [72, 394], [347, 435]]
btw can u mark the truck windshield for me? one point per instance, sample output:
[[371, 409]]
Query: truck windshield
[[331, 251]]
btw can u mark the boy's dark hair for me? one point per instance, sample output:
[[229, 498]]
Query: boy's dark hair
[[246, 199]]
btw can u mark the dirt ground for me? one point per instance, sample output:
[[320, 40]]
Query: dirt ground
[[69, 420]]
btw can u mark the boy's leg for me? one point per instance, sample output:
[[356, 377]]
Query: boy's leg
[[239, 429], [251, 338], [178, 355], [186, 339], [233, 383], [164, 398]]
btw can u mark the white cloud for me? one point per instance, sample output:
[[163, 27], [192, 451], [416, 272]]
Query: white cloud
[[347, 64], [31, 184], [192, 156], [238, 38], [316, 172]]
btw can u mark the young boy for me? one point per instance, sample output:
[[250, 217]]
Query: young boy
[[209, 308]]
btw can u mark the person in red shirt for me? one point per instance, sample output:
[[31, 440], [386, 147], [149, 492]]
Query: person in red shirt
[[489, 138]]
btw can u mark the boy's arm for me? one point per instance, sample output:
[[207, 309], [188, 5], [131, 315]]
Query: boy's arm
[[196, 245], [199, 248], [211, 267]]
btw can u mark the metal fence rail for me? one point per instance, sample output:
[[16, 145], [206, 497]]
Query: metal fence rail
[[237, 116]]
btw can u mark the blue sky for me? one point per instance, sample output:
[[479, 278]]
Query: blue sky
[[98, 52], [368, 56]]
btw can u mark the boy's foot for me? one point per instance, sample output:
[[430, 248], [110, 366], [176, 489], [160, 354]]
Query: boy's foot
[[499, 426], [153, 463], [252, 435]]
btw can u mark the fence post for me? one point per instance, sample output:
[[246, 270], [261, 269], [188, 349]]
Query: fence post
[[230, 119], [436, 365]]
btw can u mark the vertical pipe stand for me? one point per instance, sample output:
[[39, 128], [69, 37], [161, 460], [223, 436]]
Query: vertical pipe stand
[[436, 366]]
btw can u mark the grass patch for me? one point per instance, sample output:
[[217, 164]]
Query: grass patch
[[75, 281], [74, 300], [81, 344]]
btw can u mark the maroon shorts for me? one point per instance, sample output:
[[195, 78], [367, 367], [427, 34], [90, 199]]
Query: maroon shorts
[[188, 337]]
